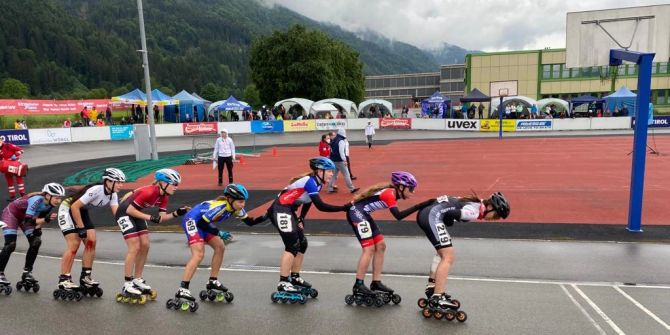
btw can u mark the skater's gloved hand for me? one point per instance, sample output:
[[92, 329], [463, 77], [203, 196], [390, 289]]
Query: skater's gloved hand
[[37, 232], [81, 232], [348, 205], [301, 223], [181, 210], [52, 216], [225, 236], [155, 218]]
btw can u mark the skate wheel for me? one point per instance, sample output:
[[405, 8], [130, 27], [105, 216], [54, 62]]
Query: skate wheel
[[273, 297], [126, 299], [422, 302], [426, 313], [449, 315], [369, 301], [134, 300], [99, 292], [36, 288], [203, 295], [461, 316], [386, 298], [302, 300], [56, 294], [8, 290], [70, 295], [211, 295], [184, 306], [379, 302], [358, 301], [457, 303], [314, 293], [19, 285], [284, 300], [229, 296], [193, 306], [119, 297], [293, 300], [349, 299], [438, 315], [78, 296], [396, 299], [142, 300], [153, 294], [169, 304]]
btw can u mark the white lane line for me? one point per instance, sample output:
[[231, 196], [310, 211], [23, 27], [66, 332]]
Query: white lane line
[[581, 308], [599, 311], [644, 309]]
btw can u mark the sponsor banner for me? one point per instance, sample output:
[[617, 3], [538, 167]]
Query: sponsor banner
[[659, 122], [15, 136], [198, 128], [120, 133], [395, 123], [525, 125], [494, 125], [34, 107], [50, 135], [470, 125], [299, 125], [267, 126], [331, 124]]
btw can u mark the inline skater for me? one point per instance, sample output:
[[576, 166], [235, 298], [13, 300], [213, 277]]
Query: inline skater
[[28, 213]]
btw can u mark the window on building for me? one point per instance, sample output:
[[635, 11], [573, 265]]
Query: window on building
[[662, 97], [663, 67], [654, 68], [622, 69], [556, 71], [631, 69], [546, 71], [565, 72]]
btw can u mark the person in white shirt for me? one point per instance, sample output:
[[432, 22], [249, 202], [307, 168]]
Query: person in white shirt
[[346, 153], [224, 153], [369, 133]]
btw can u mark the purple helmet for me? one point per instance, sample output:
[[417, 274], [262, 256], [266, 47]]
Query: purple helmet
[[403, 178]]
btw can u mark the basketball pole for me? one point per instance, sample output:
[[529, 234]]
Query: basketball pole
[[644, 61], [500, 115]]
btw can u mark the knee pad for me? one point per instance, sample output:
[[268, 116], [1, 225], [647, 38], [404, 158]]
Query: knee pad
[[436, 261], [303, 245], [293, 249], [9, 247], [35, 242]]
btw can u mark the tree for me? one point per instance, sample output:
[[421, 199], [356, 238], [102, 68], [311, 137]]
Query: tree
[[211, 92], [251, 96], [306, 64], [13, 89]]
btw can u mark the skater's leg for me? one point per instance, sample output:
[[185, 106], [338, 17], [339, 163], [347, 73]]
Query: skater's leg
[[447, 258], [7, 249], [286, 264], [89, 249], [34, 242], [197, 254], [300, 257], [72, 242], [217, 259], [133, 244], [141, 255], [364, 262], [378, 260]]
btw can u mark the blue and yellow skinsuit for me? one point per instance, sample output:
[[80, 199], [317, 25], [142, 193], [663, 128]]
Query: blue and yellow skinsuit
[[199, 222]]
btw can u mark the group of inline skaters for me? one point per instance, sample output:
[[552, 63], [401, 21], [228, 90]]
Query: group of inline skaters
[[30, 212]]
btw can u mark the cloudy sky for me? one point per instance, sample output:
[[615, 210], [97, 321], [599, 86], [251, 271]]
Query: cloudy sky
[[487, 25]]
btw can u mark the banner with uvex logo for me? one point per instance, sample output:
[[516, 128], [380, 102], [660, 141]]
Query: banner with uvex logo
[[200, 128], [395, 123], [466, 125]]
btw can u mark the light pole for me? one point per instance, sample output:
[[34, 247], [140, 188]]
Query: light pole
[[147, 83]]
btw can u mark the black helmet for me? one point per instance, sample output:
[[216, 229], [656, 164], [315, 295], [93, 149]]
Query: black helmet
[[500, 204]]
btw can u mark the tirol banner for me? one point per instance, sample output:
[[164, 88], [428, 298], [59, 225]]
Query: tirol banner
[[15, 136], [660, 121], [394, 123], [199, 128], [331, 124], [494, 125], [34, 107], [267, 126], [50, 135], [120, 133], [299, 125]]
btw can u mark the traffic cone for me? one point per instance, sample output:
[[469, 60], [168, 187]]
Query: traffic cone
[[241, 160], [274, 151]]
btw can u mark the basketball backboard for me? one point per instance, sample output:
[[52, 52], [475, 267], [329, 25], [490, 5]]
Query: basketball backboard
[[591, 34], [503, 88]]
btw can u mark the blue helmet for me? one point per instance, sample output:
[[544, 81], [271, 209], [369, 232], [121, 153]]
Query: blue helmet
[[169, 176], [236, 192], [322, 163]]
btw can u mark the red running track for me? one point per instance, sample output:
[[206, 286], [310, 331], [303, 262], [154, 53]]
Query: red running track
[[548, 180]]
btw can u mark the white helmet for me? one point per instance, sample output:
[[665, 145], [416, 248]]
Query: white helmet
[[114, 175], [54, 189], [168, 175]]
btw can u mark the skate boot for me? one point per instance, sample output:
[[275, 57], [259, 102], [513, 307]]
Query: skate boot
[[385, 292], [183, 300], [363, 295], [430, 289], [90, 286], [131, 294], [304, 286], [141, 285], [215, 291], [5, 285], [441, 306], [286, 292], [67, 290], [28, 282]]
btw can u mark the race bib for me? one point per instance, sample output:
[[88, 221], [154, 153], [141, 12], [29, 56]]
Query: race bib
[[125, 224], [191, 228], [364, 230], [442, 234], [443, 198], [284, 222], [64, 219]]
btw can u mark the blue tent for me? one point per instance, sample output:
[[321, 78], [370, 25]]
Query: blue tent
[[232, 104], [187, 103], [585, 99], [134, 97], [437, 102], [619, 99]]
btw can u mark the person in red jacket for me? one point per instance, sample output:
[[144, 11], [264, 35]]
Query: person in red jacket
[[12, 152], [324, 146]]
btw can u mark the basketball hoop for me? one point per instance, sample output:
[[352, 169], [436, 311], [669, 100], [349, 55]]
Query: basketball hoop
[[503, 92]]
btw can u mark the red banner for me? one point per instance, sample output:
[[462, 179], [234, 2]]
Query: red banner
[[200, 128], [395, 123], [37, 107]]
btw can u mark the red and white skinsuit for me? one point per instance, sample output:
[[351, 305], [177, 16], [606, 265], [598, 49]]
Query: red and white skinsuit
[[7, 150]]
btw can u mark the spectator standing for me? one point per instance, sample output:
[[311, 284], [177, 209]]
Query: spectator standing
[[624, 110], [533, 111], [519, 110], [108, 115], [93, 114], [188, 118], [138, 114], [346, 153], [339, 157], [324, 146], [224, 153], [67, 123], [480, 111], [86, 116], [369, 134], [156, 113], [17, 124]]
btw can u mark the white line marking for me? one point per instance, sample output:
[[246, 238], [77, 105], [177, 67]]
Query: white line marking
[[644, 309], [599, 311], [581, 308]]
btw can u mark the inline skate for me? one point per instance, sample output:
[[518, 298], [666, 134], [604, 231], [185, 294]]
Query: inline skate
[[214, 291], [28, 282], [443, 307], [90, 287], [146, 290], [430, 289], [5, 285], [286, 292], [183, 300], [130, 294], [385, 292], [363, 295], [67, 290], [304, 286]]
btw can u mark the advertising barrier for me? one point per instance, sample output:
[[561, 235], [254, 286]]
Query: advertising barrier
[[466, 125], [659, 122], [494, 125], [199, 128], [395, 123], [33, 107], [120, 133], [15, 136], [267, 127], [50, 135], [532, 125], [299, 125], [330, 124]]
